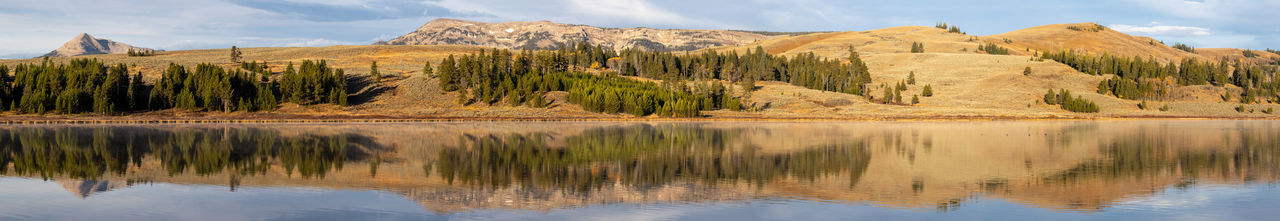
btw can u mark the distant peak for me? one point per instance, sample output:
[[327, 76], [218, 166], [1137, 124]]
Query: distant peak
[[85, 44]]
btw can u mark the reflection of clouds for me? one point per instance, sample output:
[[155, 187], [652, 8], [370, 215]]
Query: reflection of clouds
[[1203, 202], [183, 202]]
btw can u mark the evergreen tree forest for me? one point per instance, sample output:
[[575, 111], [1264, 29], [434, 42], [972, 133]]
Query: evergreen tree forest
[[1136, 78], [992, 48], [1066, 102], [88, 85], [600, 80], [805, 70]]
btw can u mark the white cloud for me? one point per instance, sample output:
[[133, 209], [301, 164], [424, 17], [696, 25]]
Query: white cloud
[[626, 10], [1162, 30]]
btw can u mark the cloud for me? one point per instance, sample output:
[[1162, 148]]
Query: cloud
[[637, 11], [35, 27], [1162, 30]]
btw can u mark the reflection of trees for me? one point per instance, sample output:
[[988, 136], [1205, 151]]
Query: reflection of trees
[[90, 153], [1148, 155], [639, 156]]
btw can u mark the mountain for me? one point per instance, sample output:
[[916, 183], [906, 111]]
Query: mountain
[[548, 35], [85, 44]]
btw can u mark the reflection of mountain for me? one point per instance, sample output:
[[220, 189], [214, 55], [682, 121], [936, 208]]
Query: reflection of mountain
[[85, 188], [459, 167]]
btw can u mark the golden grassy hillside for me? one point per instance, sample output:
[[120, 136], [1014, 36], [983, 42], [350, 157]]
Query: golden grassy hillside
[[970, 83], [1088, 38], [1238, 55], [880, 41], [966, 83]]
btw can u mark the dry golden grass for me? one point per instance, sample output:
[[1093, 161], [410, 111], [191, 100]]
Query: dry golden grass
[[1236, 54], [966, 84], [1058, 37], [969, 84]]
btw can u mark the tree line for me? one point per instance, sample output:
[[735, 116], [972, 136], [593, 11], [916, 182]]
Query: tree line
[[501, 75], [1066, 102], [1138, 78], [805, 70], [88, 85], [992, 48], [523, 77]]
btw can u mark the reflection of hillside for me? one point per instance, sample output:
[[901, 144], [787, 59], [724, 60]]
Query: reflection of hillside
[[89, 153], [456, 167], [639, 156]]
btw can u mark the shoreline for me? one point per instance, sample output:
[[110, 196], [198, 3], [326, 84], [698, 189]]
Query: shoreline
[[98, 120]]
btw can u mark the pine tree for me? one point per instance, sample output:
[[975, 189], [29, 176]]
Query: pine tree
[[897, 96], [102, 102], [911, 78], [426, 70], [373, 71], [888, 95], [235, 54], [915, 99], [1050, 98], [462, 97], [927, 91]]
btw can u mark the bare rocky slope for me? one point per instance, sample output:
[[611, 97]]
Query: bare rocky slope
[[85, 44], [548, 35]]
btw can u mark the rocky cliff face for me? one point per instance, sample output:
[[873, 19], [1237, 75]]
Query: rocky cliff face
[[548, 35], [85, 44]]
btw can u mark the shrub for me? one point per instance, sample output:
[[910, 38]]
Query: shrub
[[1165, 108], [1026, 71], [1249, 54]]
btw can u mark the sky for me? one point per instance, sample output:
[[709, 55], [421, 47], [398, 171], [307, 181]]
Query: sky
[[34, 27]]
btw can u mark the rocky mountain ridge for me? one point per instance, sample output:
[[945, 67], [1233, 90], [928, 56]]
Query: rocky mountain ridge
[[549, 35]]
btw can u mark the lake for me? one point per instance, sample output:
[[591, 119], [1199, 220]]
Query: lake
[[1046, 170]]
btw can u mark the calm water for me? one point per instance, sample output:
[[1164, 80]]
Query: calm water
[[1127, 170]]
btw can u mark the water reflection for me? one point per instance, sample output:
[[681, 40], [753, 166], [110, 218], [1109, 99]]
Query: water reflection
[[92, 152], [453, 167], [639, 156]]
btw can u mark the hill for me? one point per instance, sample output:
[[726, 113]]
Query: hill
[[966, 83], [85, 44], [980, 84], [548, 35], [1088, 37]]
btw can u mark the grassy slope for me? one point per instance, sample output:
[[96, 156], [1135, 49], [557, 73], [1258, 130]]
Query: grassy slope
[[966, 83]]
